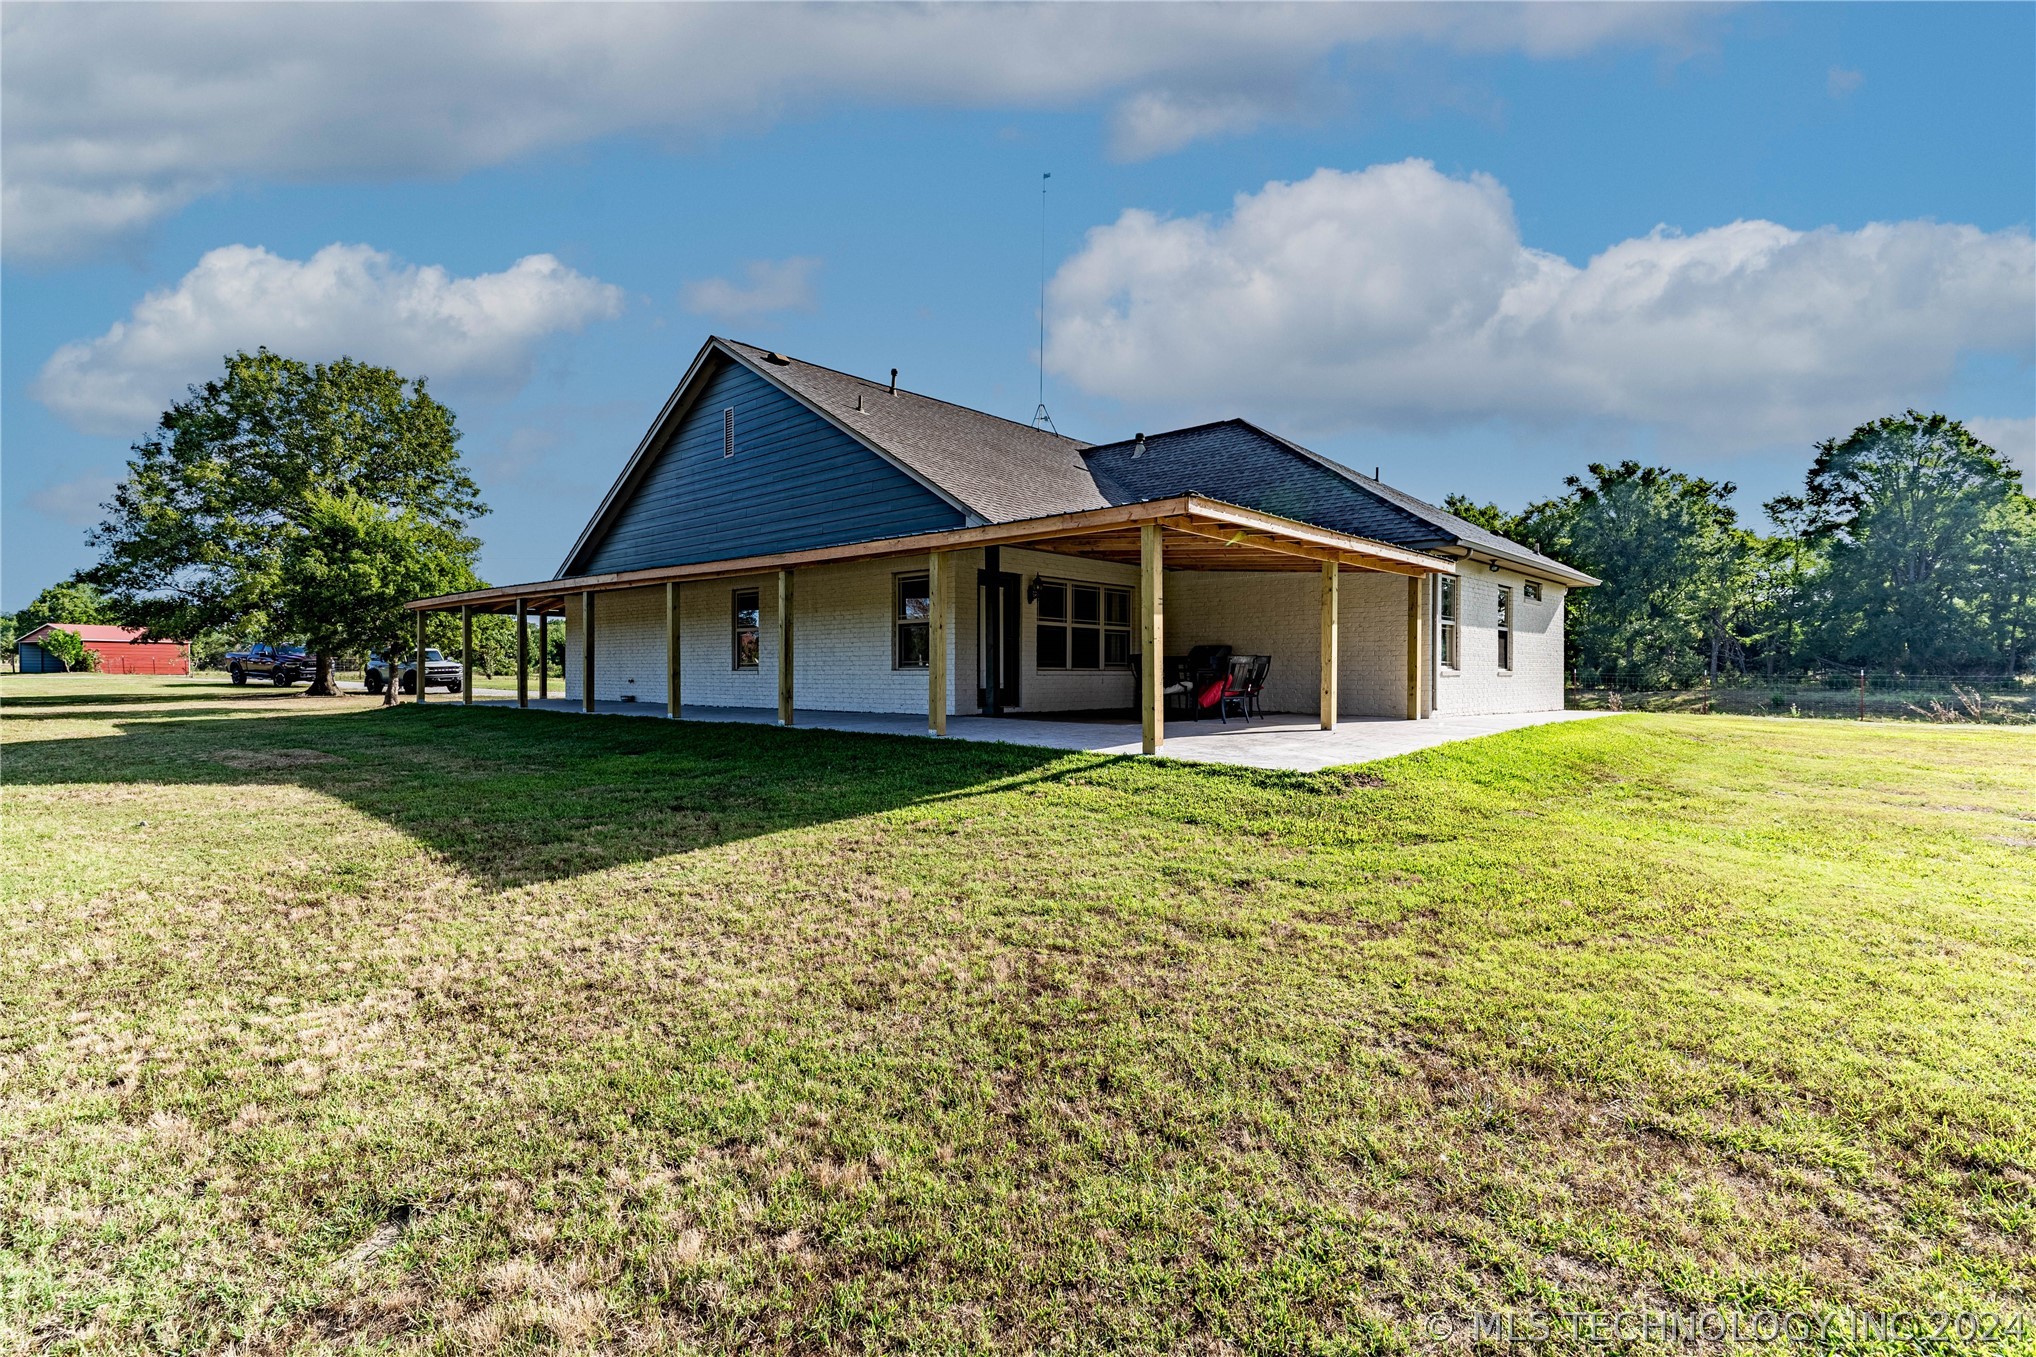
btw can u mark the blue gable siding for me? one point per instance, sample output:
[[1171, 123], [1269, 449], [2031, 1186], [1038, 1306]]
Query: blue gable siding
[[795, 481]]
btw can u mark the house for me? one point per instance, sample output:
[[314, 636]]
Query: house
[[790, 535], [121, 650]]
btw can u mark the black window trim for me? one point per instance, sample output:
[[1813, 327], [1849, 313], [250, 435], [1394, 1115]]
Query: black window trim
[[1102, 626], [898, 620], [736, 628]]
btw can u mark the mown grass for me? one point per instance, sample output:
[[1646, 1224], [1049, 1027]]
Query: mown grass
[[327, 1027]]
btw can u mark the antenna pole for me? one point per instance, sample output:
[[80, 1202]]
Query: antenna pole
[[1040, 418]]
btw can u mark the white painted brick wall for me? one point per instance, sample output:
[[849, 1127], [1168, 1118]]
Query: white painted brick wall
[[843, 640], [1476, 686], [1280, 614]]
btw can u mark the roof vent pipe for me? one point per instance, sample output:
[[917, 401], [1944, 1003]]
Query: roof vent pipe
[[894, 381], [1138, 446]]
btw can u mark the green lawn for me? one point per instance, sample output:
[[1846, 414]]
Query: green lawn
[[330, 1027]]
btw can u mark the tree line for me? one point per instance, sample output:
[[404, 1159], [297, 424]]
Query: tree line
[[1912, 547]]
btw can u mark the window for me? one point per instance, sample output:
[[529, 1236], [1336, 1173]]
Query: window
[[748, 627], [1505, 628], [1083, 626], [911, 609], [1445, 641], [1532, 589], [728, 432]]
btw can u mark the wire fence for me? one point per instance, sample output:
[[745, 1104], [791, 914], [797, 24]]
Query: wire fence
[[1831, 694]]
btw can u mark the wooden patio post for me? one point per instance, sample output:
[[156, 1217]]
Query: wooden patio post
[[1414, 593], [419, 672], [1151, 636], [937, 572], [466, 655], [522, 652], [1328, 653], [784, 647], [674, 697], [587, 651], [543, 656]]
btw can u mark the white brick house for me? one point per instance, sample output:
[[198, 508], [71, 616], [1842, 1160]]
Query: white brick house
[[928, 550]]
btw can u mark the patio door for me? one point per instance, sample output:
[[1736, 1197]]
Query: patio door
[[999, 621]]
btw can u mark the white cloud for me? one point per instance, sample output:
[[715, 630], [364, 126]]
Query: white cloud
[[2015, 440], [344, 300], [76, 502], [1399, 296], [1157, 122], [115, 115], [1840, 82], [773, 285]]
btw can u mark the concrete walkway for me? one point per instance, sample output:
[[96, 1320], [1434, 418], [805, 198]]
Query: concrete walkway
[[1276, 740]]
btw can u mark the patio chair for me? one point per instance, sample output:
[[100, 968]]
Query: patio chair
[[1235, 694], [1254, 685]]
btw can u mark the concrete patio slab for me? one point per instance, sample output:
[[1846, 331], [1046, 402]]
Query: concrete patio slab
[[1276, 740]]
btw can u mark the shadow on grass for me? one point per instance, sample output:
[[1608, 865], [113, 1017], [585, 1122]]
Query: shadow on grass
[[29, 693], [518, 797]]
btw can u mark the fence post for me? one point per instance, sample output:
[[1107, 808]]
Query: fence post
[[1862, 694]]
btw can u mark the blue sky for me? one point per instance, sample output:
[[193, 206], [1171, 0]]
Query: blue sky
[[1476, 248]]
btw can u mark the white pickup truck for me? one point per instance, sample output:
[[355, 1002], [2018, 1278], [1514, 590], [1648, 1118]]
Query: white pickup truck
[[439, 672]]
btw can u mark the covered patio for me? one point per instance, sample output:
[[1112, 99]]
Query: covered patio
[[1295, 743], [1157, 538]]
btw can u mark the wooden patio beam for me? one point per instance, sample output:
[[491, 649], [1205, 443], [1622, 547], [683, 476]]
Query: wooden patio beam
[[1331, 573], [674, 683], [522, 654], [587, 651], [939, 569], [1151, 637], [1208, 517], [785, 641], [1259, 541]]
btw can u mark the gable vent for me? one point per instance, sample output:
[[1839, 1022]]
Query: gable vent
[[728, 432]]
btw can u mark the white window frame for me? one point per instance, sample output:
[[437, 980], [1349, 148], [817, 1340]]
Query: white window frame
[[1448, 634], [1505, 628], [1531, 591]]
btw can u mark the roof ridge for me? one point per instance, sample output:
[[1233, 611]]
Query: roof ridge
[[1168, 433], [903, 391]]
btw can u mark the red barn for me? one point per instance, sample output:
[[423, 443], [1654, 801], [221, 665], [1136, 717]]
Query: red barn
[[121, 650]]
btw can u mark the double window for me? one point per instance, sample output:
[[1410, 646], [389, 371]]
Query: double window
[[1083, 626], [1445, 629], [1505, 620], [911, 610], [748, 627]]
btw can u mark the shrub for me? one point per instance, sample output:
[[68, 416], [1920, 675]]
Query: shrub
[[66, 646]]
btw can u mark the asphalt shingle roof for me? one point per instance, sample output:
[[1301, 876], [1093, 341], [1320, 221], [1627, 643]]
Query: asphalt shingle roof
[[1003, 471], [1000, 469], [1238, 462]]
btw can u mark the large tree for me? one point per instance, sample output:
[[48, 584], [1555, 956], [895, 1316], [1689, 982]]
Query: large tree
[[1673, 561], [219, 500], [1925, 545], [355, 563], [66, 601]]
